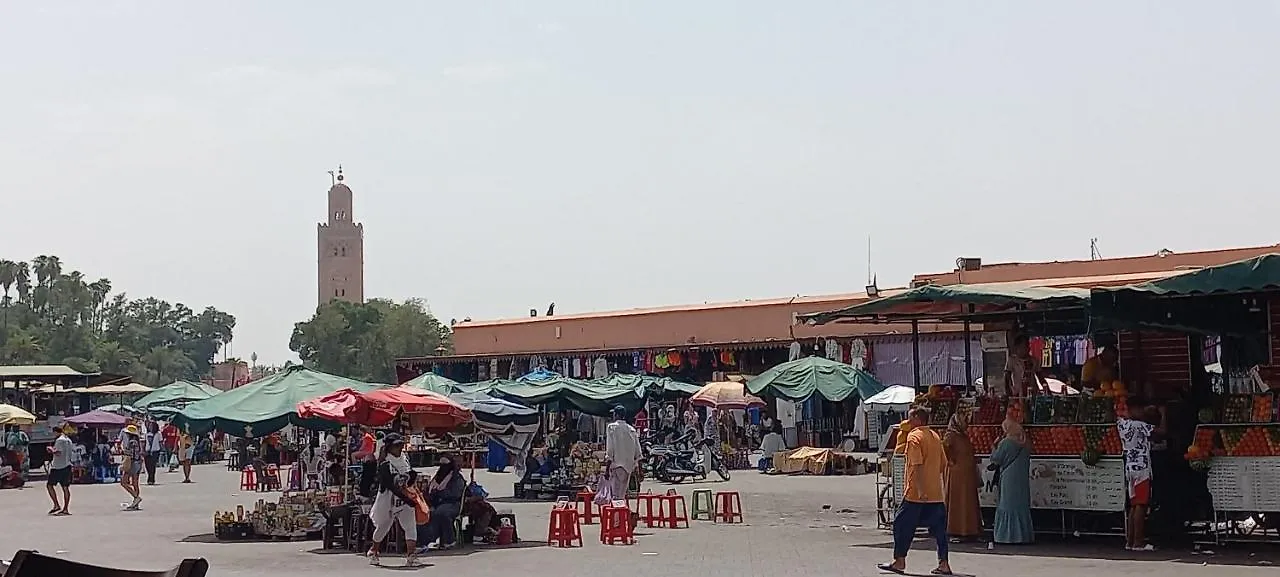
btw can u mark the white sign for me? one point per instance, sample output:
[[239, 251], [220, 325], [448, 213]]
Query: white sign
[[993, 341], [1245, 484], [1055, 484]]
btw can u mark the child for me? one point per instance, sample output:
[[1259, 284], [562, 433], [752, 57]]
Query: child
[[1135, 437]]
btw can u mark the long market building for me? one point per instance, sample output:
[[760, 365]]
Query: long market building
[[706, 342]]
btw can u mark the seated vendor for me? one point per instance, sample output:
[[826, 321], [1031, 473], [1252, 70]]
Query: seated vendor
[[445, 491], [484, 518], [10, 478]]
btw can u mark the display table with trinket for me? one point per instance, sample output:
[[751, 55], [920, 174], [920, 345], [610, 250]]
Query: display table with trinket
[[298, 515]]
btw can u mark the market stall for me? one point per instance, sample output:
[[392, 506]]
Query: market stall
[[177, 393], [1231, 315]]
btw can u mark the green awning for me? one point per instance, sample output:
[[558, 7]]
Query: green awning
[[652, 385], [955, 302], [1257, 274], [799, 379], [434, 383], [1216, 300], [266, 405], [592, 397], [176, 392]]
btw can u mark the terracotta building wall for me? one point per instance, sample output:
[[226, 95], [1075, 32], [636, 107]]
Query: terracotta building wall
[[1020, 271], [663, 328]]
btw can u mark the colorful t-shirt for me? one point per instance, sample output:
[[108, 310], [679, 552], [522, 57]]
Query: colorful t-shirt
[[925, 461], [1135, 438]]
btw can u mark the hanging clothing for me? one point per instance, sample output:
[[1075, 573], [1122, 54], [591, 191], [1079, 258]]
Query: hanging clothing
[[793, 352]]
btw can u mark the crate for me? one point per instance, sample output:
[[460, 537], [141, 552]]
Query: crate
[[233, 531]]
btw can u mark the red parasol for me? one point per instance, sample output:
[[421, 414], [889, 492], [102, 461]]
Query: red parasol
[[425, 409], [345, 406]]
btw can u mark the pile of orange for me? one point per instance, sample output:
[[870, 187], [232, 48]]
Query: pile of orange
[[1122, 406], [1057, 440], [1262, 408], [1111, 442], [984, 437], [1253, 442]]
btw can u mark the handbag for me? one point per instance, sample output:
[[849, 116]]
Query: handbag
[[421, 512]]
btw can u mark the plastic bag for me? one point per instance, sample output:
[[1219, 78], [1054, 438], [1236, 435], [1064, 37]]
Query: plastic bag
[[604, 494]]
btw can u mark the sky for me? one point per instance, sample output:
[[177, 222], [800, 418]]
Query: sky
[[604, 154]]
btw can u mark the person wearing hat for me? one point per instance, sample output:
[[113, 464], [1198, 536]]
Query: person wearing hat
[[131, 467], [394, 504], [621, 453], [445, 493]]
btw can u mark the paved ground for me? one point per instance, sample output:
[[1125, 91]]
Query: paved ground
[[787, 533]]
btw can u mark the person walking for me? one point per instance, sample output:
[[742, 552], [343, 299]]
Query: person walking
[[622, 453], [393, 503], [186, 452], [60, 472], [154, 447], [923, 502], [131, 467]]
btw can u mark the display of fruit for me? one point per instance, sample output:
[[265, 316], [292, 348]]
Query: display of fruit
[[1262, 408], [1205, 439], [940, 412], [1090, 456], [984, 437], [1231, 437], [990, 411], [1042, 410], [1017, 411], [1059, 440], [1111, 442], [1273, 437], [1066, 410], [1206, 415], [1253, 443], [1120, 406], [1235, 409], [1097, 411]]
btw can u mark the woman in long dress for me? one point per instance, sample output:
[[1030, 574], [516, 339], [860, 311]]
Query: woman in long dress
[[964, 518], [1012, 460]]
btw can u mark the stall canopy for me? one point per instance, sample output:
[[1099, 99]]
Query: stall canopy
[[893, 396], [957, 302], [98, 418], [799, 379], [11, 415], [433, 382], [592, 397], [129, 389], [1226, 300], [425, 409], [540, 374], [176, 392], [726, 395], [510, 424], [266, 405], [663, 386]]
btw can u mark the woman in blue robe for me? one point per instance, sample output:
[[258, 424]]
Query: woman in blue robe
[[1012, 462]]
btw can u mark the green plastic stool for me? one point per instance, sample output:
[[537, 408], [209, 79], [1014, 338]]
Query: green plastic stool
[[702, 509]]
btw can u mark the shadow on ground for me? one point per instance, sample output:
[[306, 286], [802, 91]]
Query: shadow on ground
[[1084, 548]]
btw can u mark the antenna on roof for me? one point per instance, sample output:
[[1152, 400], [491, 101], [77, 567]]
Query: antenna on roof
[[1093, 249], [872, 290]]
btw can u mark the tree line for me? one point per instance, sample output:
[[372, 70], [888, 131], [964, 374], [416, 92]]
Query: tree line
[[362, 340], [49, 316]]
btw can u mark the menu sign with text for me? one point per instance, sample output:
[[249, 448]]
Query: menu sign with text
[[1063, 483], [1245, 484]]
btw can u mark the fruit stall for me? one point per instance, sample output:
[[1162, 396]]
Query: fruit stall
[[1240, 454], [1077, 474]]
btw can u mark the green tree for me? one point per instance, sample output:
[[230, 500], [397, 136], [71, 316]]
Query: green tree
[[360, 340], [63, 319]]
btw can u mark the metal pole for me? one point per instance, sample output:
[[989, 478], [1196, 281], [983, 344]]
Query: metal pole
[[915, 350], [968, 355]]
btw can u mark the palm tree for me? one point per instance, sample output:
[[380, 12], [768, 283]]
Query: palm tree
[[98, 291], [8, 276], [22, 278], [21, 348], [167, 362]]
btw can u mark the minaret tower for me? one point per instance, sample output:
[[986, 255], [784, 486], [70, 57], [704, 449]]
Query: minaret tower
[[341, 248]]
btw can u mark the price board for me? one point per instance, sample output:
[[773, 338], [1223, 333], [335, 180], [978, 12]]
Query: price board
[[1245, 484], [1063, 483]]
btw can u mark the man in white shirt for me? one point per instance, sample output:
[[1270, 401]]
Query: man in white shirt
[[1136, 436], [60, 472], [622, 453]]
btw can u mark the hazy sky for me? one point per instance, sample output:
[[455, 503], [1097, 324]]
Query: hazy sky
[[618, 154]]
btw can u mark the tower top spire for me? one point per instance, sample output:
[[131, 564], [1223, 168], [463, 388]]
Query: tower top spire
[[339, 173]]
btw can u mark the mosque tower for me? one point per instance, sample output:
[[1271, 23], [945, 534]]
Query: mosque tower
[[340, 260]]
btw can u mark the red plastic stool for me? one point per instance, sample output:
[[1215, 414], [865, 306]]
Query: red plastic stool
[[563, 528], [270, 479], [650, 518], [615, 525], [672, 517], [247, 480], [728, 507], [587, 500]]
